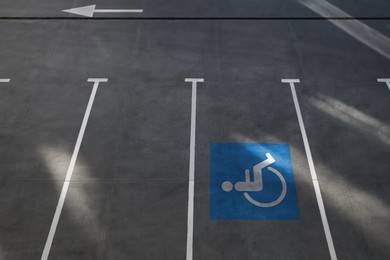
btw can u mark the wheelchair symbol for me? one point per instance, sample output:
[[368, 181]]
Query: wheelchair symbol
[[257, 183]]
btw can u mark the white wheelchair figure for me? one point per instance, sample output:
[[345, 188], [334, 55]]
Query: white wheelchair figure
[[257, 183]]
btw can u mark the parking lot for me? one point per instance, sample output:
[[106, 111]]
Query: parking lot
[[133, 120]]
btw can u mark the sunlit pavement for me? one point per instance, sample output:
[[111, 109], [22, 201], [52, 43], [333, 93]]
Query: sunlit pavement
[[124, 135]]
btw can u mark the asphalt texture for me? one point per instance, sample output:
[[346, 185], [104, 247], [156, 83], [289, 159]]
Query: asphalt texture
[[128, 196]]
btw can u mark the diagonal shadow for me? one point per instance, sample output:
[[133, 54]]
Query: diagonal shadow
[[360, 31]]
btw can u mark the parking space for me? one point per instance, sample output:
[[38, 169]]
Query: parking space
[[129, 193], [256, 113], [354, 174]]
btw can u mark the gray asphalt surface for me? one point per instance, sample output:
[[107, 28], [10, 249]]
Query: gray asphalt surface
[[128, 196]]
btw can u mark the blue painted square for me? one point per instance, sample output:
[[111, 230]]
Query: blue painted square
[[252, 181]]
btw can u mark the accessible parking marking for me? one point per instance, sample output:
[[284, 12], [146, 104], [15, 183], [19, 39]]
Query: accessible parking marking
[[266, 191], [387, 81], [69, 173], [313, 173], [191, 180]]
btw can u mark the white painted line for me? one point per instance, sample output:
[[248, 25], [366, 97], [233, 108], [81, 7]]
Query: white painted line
[[5, 80], [313, 173], [97, 80], [69, 173], [387, 81], [89, 10], [118, 10], [290, 81], [191, 181]]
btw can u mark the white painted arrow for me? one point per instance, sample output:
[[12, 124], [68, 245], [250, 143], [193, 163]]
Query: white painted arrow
[[89, 10]]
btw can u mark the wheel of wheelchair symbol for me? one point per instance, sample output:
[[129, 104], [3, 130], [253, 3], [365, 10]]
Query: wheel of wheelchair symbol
[[227, 186]]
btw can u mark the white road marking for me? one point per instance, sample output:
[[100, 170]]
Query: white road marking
[[69, 173], [313, 173], [89, 10], [118, 10], [387, 81], [5, 80], [191, 181]]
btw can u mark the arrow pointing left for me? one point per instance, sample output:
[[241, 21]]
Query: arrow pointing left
[[89, 10]]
